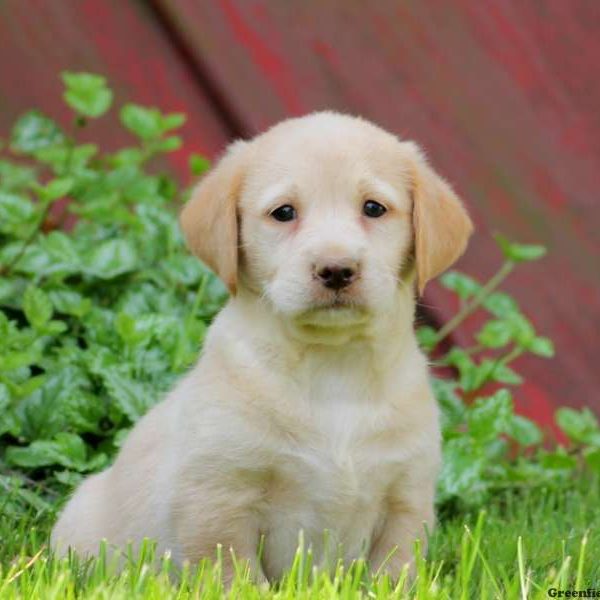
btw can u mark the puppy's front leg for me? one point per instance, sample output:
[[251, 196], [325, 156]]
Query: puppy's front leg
[[220, 519], [410, 515]]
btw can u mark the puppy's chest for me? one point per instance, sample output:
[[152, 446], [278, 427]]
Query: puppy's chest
[[343, 455], [333, 475], [345, 450]]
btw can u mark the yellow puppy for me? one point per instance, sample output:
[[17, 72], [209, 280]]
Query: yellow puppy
[[310, 408]]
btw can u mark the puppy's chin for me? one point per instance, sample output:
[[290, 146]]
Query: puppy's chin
[[335, 315], [332, 325], [320, 317]]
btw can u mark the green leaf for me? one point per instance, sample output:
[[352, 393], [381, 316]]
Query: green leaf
[[169, 144], [559, 461], [579, 426], [541, 346], [7, 289], [524, 431], [27, 498], [471, 375], [173, 121], [57, 188], [15, 210], [35, 260], [462, 472], [184, 269], [490, 416], [495, 334], [127, 328], [519, 252], [5, 400], [70, 302], [68, 160], [29, 385], [54, 327], [458, 358], [8, 421], [11, 361], [592, 458], [121, 436], [48, 409], [69, 478], [198, 164], [15, 177], [132, 397], [427, 337], [65, 449], [453, 408], [87, 94], [83, 411], [504, 374], [103, 210], [33, 131], [111, 259], [128, 157], [37, 307], [501, 304], [62, 251], [146, 123], [463, 285], [522, 330]]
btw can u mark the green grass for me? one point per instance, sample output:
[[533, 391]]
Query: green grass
[[519, 547]]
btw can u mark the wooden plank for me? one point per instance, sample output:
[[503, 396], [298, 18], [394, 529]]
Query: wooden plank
[[121, 40], [502, 95]]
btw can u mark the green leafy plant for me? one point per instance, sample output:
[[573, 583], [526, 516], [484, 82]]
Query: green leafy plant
[[97, 321], [488, 447]]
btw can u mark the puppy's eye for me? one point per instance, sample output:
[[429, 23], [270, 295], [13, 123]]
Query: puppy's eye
[[373, 209], [284, 213]]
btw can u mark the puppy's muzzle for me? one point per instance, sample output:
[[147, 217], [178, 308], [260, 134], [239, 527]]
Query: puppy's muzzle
[[338, 275]]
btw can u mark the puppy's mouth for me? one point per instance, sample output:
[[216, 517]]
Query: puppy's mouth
[[336, 311], [337, 302], [340, 300]]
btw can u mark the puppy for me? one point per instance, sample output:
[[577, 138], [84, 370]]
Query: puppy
[[310, 409]]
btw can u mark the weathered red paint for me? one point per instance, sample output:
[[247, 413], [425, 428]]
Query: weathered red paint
[[272, 66], [122, 40], [536, 404]]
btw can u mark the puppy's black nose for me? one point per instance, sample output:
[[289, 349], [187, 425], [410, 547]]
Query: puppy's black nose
[[337, 277]]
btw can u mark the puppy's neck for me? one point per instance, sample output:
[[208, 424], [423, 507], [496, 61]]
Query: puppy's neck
[[383, 334]]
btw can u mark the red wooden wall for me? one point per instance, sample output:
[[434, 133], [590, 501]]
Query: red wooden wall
[[503, 94]]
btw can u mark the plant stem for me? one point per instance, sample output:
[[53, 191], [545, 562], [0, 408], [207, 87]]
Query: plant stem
[[474, 349], [6, 269], [510, 356], [476, 302], [505, 359]]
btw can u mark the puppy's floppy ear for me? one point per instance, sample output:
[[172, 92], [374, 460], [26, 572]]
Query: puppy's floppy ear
[[209, 218], [441, 224]]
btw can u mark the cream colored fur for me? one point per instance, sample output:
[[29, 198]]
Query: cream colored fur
[[309, 410]]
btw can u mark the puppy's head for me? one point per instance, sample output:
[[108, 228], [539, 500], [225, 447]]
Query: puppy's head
[[325, 216]]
